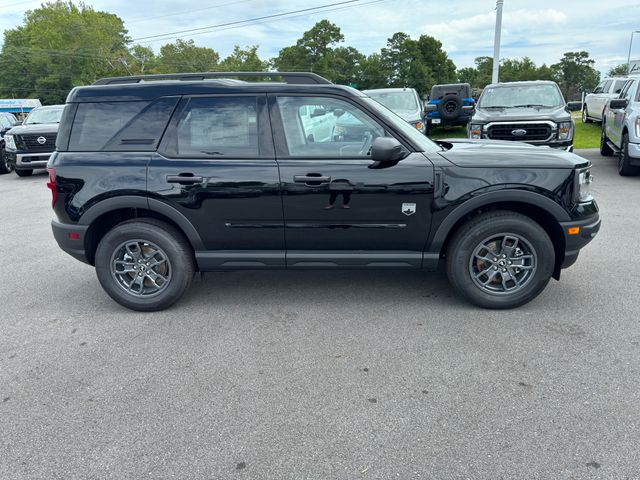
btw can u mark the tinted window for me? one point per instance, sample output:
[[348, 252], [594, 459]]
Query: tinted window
[[326, 127], [607, 86], [118, 126], [218, 127], [628, 90], [617, 86]]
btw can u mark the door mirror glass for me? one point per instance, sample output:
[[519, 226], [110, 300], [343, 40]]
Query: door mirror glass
[[618, 104], [318, 112], [388, 149]]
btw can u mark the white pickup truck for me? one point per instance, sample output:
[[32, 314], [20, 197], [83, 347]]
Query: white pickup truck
[[621, 128], [595, 102]]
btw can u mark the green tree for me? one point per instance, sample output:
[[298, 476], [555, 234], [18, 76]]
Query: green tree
[[618, 70], [184, 56], [575, 74], [141, 60], [419, 64], [243, 60], [59, 46], [315, 52], [372, 73]]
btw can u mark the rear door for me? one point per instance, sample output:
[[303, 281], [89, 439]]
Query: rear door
[[615, 117], [340, 209], [216, 167]]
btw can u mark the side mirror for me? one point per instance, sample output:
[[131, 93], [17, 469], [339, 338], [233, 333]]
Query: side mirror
[[388, 149], [431, 107], [17, 124], [338, 112], [618, 104]]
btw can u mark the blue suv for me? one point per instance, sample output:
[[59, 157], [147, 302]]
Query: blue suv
[[450, 105]]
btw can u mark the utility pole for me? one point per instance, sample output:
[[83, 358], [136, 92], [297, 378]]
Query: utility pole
[[496, 42], [629, 57]]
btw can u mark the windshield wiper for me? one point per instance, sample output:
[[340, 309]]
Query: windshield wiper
[[533, 105], [496, 106]]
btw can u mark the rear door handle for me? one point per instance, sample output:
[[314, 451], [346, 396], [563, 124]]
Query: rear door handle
[[184, 178], [311, 179]]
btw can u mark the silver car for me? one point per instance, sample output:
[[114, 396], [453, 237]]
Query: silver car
[[621, 128]]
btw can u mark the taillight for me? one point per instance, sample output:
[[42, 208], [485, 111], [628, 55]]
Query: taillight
[[51, 184]]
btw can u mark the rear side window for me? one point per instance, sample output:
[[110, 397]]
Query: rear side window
[[607, 86], [217, 127], [120, 126]]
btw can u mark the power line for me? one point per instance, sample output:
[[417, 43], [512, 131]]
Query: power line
[[187, 11], [275, 15], [18, 4]]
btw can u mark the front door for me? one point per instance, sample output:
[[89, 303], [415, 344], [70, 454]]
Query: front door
[[216, 167], [339, 209]]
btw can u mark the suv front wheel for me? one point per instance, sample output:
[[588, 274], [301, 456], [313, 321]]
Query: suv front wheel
[[144, 264], [500, 260]]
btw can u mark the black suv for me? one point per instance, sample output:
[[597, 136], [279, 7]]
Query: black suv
[[157, 177]]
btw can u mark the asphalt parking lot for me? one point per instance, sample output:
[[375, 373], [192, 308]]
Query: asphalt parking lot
[[319, 375]]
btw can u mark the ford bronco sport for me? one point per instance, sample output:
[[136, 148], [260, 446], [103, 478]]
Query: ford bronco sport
[[157, 177]]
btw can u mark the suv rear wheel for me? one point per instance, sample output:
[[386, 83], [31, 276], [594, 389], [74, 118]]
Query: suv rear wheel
[[585, 114], [144, 264], [625, 169], [500, 260]]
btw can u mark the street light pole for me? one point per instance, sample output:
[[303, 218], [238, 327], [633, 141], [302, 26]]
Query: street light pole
[[496, 42], [629, 56]]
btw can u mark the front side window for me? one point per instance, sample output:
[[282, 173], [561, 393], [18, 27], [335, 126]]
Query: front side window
[[327, 127], [607, 86], [627, 93], [617, 86], [218, 127]]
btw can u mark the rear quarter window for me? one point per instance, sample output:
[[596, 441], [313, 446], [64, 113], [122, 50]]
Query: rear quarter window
[[120, 126]]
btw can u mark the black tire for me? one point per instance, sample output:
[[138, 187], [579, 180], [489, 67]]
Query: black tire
[[625, 169], [174, 247], [585, 114], [533, 242], [605, 149], [24, 173], [5, 165], [450, 107]]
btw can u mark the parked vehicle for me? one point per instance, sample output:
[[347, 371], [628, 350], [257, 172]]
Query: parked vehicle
[[30, 145], [529, 112], [594, 104], [7, 122], [621, 128], [450, 105], [206, 174], [404, 102]]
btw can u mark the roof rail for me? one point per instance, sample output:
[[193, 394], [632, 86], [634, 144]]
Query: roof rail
[[296, 78]]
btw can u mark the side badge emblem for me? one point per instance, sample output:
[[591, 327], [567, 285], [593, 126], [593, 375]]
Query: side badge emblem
[[408, 208]]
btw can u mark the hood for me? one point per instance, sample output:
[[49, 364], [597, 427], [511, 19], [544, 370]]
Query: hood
[[494, 153], [409, 115], [34, 128], [557, 114]]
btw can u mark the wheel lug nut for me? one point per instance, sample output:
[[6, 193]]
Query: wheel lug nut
[[509, 262], [504, 269], [495, 259], [495, 268]]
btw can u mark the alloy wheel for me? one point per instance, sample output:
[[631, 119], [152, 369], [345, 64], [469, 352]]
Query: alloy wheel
[[141, 268], [503, 264]]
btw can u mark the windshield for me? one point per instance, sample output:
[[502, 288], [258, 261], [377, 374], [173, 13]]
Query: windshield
[[45, 115], [424, 144], [521, 96], [396, 101]]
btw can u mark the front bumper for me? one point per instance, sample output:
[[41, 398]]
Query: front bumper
[[71, 239], [634, 154], [28, 161], [588, 229]]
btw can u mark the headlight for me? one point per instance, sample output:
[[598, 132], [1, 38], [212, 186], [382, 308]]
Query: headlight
[[475, 132], [584, 186], [565, 131], [10, 142]]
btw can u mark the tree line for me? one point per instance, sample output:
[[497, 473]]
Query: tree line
[[61, 45]]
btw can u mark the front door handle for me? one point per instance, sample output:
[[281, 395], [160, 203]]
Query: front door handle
[[311, 178], [184, 179]]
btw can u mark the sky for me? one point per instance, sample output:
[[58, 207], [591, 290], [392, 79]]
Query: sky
[[542, 29]]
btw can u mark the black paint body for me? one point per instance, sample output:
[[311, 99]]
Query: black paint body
[[253, 213]]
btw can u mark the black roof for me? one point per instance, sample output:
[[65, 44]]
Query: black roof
[[149, 87]]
